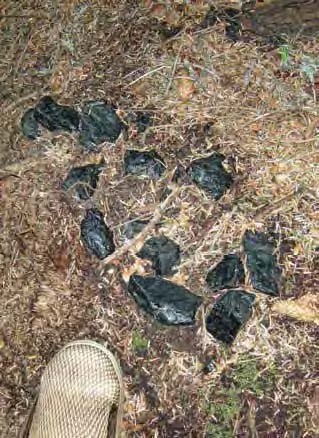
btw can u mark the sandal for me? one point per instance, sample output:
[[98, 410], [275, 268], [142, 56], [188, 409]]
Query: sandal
[[81, 395]]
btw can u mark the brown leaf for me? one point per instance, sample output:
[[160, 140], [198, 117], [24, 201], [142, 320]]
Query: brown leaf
[[60, 257], [159, 11], [185, 88]]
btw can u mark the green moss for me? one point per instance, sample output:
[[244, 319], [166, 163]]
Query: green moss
[[218, 431], [285, 54], [139, 343], [224, 403]]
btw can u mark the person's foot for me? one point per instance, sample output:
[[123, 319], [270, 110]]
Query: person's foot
[[81, 393]]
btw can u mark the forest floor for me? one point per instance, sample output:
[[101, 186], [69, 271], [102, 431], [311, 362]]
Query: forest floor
[[255, 103]]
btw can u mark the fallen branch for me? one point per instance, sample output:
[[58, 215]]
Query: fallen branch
[[140, 237]]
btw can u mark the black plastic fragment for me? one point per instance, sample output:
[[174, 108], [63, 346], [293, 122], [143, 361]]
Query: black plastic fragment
[[208, 129], [227, 15], [29, 126], [209, 366], [163, 252], [83, 179], [99, 123], [169, 31], [210, 18], [230, 312], [227, 274], [143, 163], [143, 121], [262, 262], [95, 234], [167, 302], [233, 29], [210, 175], [55, 117], [131, 229]]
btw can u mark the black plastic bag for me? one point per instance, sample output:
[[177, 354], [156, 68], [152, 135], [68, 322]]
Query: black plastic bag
[[167, 302], [262, 262], [29, 126], [229, 314], [163, 252], [226, 274], [144, 163], [210, 175], [95, 234], [83, 179], [55, 117], [99, 123]]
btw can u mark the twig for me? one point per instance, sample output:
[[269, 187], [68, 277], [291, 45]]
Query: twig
[[270, 208], [145, 75], [22, 16], [19, 166], [311, 129], [155, 219], [173, 71], [211, 71], [19, 62], [20, 100]]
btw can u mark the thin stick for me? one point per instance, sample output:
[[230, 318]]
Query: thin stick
[[145, 75], [272, 207], [20, 60], [155, 219], [173, 71], [19, 166], [207, 70], [20, 100]]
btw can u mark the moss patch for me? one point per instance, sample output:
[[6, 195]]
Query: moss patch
[[246, 381]]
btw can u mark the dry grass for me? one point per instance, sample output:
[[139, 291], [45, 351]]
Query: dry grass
[[206, 94]]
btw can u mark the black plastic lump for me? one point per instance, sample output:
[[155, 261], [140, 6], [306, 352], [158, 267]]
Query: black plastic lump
[[163, 252], [144, 163], [262, 262], [29, 126], [99, 123], [229, 15], [56, 117], [131, 229], [96, 236], [167, 302], [227, 274], [229, 314], [142, 121], [209, 367], [83, 179], [210, 175]]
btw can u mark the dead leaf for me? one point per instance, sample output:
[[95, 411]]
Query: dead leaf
[[185, 88], [136, 268], [60, 257], [159, 11]]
